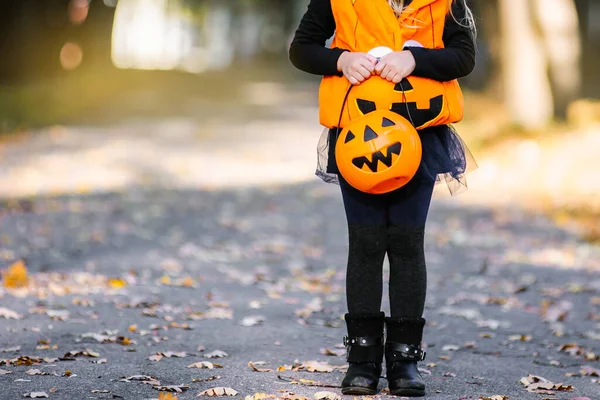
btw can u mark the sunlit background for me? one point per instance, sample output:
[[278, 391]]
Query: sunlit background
[[99, 95]]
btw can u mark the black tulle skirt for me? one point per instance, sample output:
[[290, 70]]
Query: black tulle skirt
[[446, 158]]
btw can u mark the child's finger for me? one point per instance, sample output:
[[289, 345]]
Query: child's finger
[[363, 71]]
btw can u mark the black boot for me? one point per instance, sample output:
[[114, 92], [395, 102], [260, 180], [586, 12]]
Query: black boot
[[364, 345], [402, 351]]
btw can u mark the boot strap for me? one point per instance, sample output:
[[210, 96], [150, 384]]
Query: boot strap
[[364, 349], [403, 352]]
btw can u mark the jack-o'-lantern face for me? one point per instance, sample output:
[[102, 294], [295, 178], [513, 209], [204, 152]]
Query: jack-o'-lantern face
[[379, 152], [419, 100]]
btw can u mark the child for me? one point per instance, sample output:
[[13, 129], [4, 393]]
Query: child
[[391, 223]]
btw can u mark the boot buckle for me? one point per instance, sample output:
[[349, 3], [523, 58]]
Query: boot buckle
[[400, 351], [362, 341]]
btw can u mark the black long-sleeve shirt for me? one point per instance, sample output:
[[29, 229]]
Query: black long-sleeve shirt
[[308, 52]]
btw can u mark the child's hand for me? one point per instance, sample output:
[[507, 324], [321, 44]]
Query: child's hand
[[396, 66], [356, 66]]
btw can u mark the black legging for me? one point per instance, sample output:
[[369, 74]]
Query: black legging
[[393, 223]]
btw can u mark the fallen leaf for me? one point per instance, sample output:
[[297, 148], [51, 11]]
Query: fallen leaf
[[327, 396], [58, 315], [450, 347], [210, 378], [496, 397], [38, 372], [252, 320], [255, 368], [260, 396], [9, 314], [15, 276], [14, 349], [218, 391], [328, 352], [522, 338], [166, 396], [216, 354], [171, 388], [36, 395], [168, 354], [451, 374], [81, 353], [537, 384], [116, 283], [141, 378], [204, 364], [588, 370], [554, 312], [100, 391], [5, 372]]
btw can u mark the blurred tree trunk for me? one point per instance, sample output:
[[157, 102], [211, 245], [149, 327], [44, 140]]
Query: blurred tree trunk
[[541, 59]]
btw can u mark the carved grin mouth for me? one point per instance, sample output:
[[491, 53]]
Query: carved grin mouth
[[386, 159]]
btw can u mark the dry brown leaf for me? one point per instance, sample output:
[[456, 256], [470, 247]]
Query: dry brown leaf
[[210, 378], [495, 397], [85, 353], [204, 364], [329, 352], [522, 338], [15, 276], [36, 395], [327, 396], [218, 391], [450, 347], [216, 354], [171, 388], [149, 380], [588, 370], [255, 368], [260, 396], [14, 349], [537, 384], [9, 314], [252, 320], [155, 357], [38, 372]]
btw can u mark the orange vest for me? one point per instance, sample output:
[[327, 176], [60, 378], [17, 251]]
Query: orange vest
[[365, 24]]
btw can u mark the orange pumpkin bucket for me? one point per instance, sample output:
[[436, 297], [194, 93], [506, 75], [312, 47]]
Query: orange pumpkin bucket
[[378, 152]]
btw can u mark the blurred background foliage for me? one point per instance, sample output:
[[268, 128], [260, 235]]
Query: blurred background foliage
[[79, 60]]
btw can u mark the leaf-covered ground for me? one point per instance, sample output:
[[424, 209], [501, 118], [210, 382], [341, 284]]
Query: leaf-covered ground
[[146, 293]]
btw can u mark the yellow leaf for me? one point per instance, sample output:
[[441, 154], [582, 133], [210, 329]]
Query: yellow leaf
[[166, 396], [218, 391], [116, 283], [15, 276], [132, 328], [187, 282], [165, 280]]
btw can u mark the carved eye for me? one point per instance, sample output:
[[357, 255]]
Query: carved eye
[[369, 134], [349, 137], [366, 106]]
